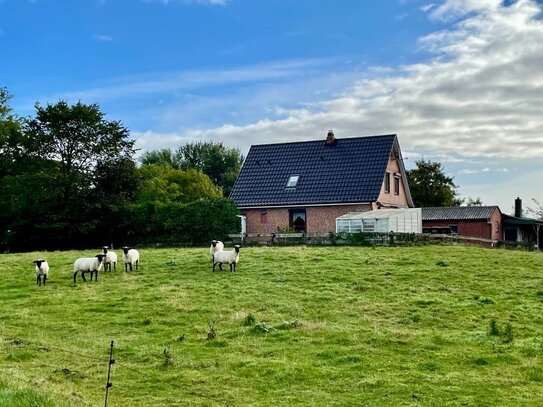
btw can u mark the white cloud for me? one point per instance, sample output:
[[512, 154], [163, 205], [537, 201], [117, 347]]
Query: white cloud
[[427, 7], [104, 38]]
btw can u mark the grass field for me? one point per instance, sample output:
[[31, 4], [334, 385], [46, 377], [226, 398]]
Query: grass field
[[315, 326]]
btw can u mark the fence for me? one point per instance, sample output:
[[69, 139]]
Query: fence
[[368, 239]]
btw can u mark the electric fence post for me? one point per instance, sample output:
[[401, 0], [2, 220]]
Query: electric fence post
[[111, 361]]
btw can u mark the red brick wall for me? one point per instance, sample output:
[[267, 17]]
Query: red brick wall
[[319, 219], [472, 228]]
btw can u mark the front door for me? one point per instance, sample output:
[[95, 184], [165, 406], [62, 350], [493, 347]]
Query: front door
[[297, 220]]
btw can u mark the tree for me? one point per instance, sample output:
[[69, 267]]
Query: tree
[[472, 202], [430, 186], [220, 163], [164, 184], [78, 138], [537, 211]]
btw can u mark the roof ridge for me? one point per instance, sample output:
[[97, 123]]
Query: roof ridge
[[322, 140]]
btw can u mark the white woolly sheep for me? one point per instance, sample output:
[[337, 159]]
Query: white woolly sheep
[[89, 264], [216, 246], [42, 269], [131, 257], [111, 258], [231, 257]]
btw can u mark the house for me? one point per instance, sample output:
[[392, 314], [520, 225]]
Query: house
[[305, 186], [519, 229], [484, 222]]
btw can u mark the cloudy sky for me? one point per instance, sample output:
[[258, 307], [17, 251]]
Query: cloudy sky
[[459, 81]]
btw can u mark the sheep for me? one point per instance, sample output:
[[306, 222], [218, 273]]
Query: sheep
[[111, 258], [42, 269], [86, 264], [231, 257], [216, 246], [131, 257]]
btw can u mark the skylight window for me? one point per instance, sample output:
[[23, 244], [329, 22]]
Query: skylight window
[[292, 181]]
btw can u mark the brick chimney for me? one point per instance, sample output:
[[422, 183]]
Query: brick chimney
[[518, 208], [330, 138]]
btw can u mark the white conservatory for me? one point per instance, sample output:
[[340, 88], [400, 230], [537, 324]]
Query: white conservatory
[[408, 220]]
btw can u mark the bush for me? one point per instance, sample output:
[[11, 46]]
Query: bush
[[191, 224]]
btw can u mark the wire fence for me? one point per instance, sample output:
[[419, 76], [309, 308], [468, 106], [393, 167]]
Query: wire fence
[[370, 239]]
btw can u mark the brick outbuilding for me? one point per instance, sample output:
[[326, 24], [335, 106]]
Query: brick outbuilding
[[305, 186], [483, 222]]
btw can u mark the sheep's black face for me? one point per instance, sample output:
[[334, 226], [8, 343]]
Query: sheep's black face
[[100, 257], [126, 249], [38, 262], [236, 248], [105, 249], [214, 243]]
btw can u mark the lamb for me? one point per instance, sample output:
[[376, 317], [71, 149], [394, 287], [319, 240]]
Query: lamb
[[111, 258], [231, 257], [86, 264], [42, 269], [131, 257], [216, 246]]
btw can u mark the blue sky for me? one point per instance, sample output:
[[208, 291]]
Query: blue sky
[[458, 80]]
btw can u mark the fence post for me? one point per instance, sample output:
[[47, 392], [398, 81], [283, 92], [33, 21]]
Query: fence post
[[111, 361]]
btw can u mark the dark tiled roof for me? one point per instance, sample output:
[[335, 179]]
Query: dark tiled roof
[[458, 213], [350, 171]]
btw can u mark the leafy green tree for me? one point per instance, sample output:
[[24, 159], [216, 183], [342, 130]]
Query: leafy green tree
[[162, 157], [430, 186], [220, 163], [164, 184], [78, 137]]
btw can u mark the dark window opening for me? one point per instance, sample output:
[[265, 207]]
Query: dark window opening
[[396, 185], [511, 234], [297, 220], [454, 228], [387, 183], [264, 217]]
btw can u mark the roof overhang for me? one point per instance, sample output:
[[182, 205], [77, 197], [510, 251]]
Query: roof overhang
[[302, 205]]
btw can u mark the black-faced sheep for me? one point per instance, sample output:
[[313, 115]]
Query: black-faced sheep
[[89, 264], [131, 257], [231, 257], [42, 270]]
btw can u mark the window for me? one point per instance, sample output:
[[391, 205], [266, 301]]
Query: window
[[264, 217], [396, 184], [292, 181], [387, 183], [297, 220], [368, 225], [454, 228]]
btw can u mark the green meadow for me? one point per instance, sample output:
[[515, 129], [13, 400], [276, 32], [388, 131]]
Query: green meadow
[[293, 326]]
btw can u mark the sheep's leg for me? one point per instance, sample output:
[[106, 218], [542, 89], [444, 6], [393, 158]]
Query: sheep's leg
[[125, 267], [234, 264], [96, 275], [38, 279], [44, 278], [130, 265], [220, 266], [75, 275], [137, 264], [83, 275], [114, 266], [214, 264]]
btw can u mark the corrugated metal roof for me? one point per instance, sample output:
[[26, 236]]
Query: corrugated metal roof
[[459, 213], [352, 170]]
